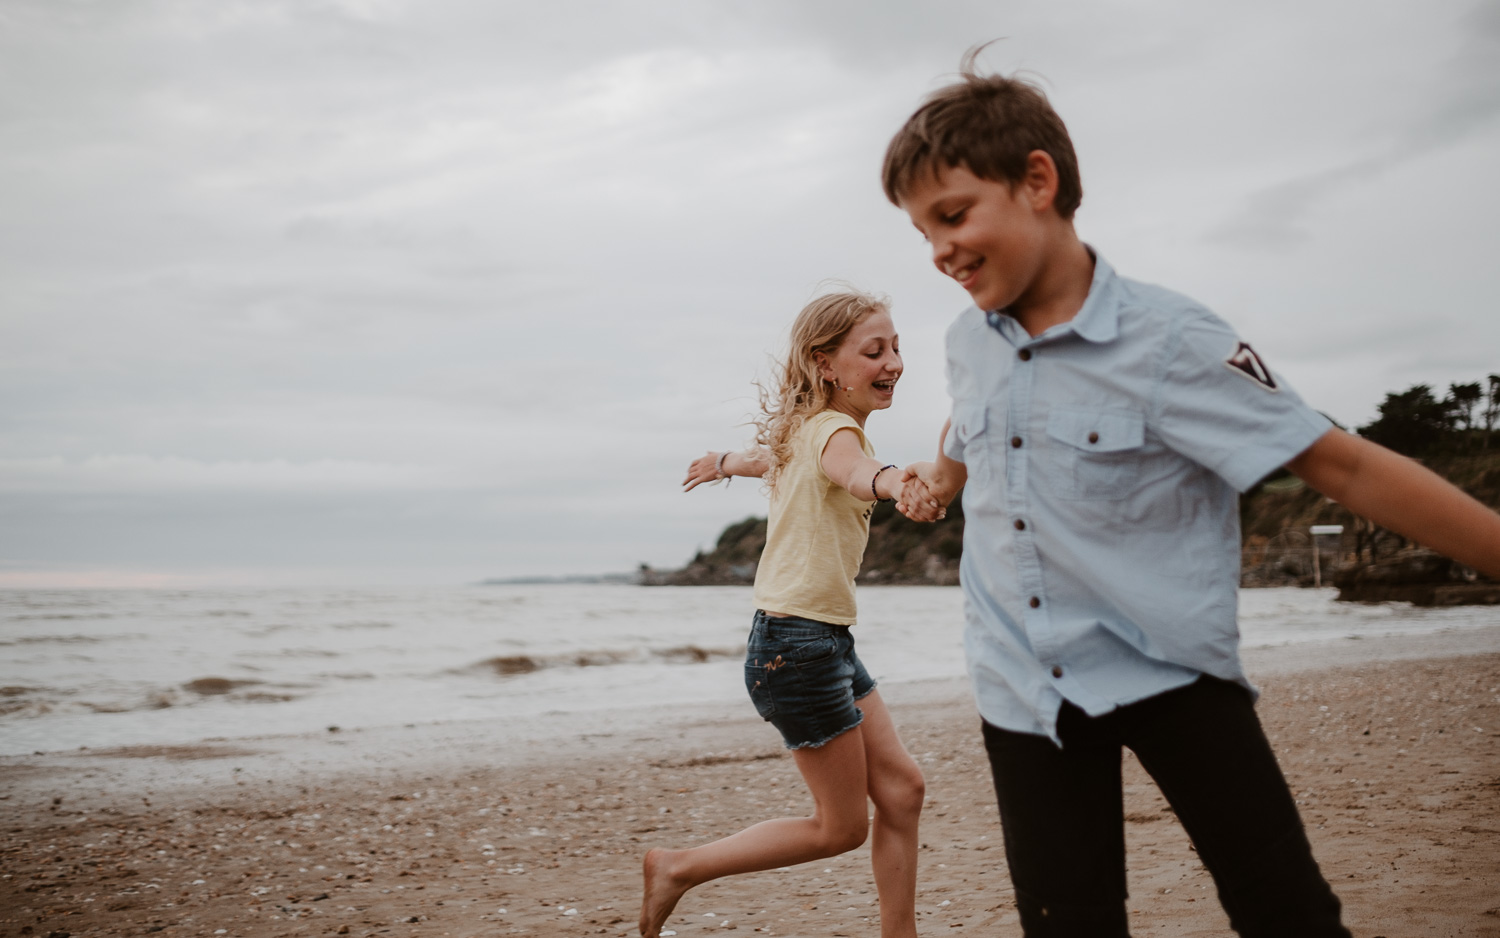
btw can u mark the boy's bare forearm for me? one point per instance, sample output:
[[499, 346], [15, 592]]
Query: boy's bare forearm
[[948, 475], [1404, 496]]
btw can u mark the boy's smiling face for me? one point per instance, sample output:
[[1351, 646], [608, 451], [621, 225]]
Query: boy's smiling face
[[989, 236]]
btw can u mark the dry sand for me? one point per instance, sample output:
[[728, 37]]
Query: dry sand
[[482, 829]]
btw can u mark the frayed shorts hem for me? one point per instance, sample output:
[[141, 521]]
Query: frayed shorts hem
[[818, 744], [805, 679]]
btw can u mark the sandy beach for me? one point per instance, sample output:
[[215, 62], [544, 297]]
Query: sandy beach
[[484, 828]]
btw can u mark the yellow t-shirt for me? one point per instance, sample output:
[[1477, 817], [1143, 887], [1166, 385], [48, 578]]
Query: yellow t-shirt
[[816, 533]]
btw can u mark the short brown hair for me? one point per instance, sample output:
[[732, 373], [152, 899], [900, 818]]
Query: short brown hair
[[989, 124]]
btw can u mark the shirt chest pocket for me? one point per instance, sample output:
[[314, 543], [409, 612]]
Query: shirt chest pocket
[[1097, 452]]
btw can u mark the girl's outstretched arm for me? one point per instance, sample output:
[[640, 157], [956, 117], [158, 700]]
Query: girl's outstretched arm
[[714, 466], [846, 464]]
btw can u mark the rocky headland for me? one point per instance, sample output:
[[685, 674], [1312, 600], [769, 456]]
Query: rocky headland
[[1367, 563]]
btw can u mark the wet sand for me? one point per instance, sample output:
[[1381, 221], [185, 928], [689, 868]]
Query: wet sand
[[470, 829]]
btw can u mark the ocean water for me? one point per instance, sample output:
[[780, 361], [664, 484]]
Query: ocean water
[[102, 668]]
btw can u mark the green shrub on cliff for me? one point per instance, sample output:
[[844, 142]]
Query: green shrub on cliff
[[1454, 436], [1414, 422]]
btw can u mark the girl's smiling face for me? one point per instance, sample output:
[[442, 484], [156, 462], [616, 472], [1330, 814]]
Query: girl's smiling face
[[868, 363]]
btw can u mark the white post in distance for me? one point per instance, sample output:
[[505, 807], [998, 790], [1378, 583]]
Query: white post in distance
[[1316, 530]]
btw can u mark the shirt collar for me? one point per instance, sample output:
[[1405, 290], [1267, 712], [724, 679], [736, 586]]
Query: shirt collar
[[1098, 320]]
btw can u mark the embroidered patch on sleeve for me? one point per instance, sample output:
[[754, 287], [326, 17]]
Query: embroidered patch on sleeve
[[1246, 362]]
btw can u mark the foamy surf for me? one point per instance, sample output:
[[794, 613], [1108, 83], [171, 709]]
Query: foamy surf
[[142, 667]]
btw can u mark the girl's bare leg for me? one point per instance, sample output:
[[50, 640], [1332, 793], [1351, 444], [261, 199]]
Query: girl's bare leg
[[897, 789], [835, 773]]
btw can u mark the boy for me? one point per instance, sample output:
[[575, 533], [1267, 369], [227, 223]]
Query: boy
[[1104, 427]]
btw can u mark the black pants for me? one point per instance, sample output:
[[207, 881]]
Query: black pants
[[1063, 817]]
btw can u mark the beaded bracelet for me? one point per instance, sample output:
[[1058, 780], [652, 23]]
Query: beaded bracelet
[[877, 476]]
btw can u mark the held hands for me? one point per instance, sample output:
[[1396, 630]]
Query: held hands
[[920, 491], [928, 487]]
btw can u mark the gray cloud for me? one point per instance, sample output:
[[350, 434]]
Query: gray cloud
[[1456, 99], [295, 289]]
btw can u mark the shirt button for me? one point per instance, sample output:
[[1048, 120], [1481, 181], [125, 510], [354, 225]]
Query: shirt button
[[1093, 437], [1015, 442], [1057, 670], [1024, 354], [1035, 602], [1020, 525]]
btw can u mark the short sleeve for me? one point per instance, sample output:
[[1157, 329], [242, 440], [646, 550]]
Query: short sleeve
[[962, 388], [1219, 405], [825, 425], [964, 424]]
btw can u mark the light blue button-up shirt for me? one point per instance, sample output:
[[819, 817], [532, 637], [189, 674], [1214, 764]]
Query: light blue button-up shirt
[[1105, 456]]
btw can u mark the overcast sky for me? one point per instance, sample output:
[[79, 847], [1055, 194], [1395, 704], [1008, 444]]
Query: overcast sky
[[425, 291]]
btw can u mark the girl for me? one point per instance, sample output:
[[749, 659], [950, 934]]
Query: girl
[[800, 666]]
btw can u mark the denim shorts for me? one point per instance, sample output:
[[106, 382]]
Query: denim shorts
[[804, 678]]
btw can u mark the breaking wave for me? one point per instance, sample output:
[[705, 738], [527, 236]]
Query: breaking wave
[[512, 665]]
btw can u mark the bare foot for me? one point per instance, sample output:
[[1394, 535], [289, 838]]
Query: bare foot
[[660, 895]]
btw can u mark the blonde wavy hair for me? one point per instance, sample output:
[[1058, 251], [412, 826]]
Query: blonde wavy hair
[[800, 391]]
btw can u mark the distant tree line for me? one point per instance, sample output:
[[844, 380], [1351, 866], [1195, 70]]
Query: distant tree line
[[1458, 436], [1417, 423]]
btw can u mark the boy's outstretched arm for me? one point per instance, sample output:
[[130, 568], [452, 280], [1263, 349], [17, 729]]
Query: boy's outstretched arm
[[1404, 496]]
